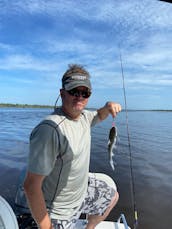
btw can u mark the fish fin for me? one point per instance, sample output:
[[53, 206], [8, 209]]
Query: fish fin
[[112, 165], [114, 146]]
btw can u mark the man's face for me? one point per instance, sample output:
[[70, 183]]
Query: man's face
[[74, 101]]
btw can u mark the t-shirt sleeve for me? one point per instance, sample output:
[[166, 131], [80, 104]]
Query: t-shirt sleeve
[[44, 149]]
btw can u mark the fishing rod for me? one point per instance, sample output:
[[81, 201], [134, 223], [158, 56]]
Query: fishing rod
[[129, 146]]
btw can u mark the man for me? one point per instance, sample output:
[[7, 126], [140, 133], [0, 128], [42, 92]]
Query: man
[[58, 185]]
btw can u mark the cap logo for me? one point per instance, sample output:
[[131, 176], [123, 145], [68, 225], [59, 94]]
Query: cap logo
[[79, 77]]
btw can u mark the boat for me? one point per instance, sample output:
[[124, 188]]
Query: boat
[[120, 224], [8, 220]]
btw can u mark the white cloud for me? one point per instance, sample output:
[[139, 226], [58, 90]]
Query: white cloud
[[25, 62], [144, 11]]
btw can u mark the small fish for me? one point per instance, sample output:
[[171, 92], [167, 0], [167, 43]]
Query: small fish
[[112, 144]]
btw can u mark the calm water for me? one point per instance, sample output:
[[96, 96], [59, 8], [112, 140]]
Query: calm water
[[151, 146]]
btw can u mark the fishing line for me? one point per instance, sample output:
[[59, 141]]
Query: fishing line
[[113, 122], [129, 146], [55, 105]]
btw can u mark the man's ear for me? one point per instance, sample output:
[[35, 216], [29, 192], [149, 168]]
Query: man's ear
[[62, 93]]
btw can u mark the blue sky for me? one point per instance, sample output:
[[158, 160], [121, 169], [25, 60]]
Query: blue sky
[[39, 38]]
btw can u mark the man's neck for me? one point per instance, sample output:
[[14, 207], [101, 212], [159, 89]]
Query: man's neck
[[75, 115]]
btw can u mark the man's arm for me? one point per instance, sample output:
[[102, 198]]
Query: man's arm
[[35, 198], [109, 108]]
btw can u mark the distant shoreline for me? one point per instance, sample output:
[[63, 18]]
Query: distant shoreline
[[8, 105], [24, 105]]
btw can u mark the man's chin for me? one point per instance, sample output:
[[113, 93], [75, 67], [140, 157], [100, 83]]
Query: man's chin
[[79, 107]]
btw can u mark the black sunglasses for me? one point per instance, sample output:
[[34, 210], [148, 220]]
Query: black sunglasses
[[84, 93]]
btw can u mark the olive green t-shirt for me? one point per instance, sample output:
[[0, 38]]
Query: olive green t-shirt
[[60, 150]]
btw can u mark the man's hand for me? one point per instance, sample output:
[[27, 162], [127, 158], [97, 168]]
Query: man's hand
[[113, 108], [109, 108]]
